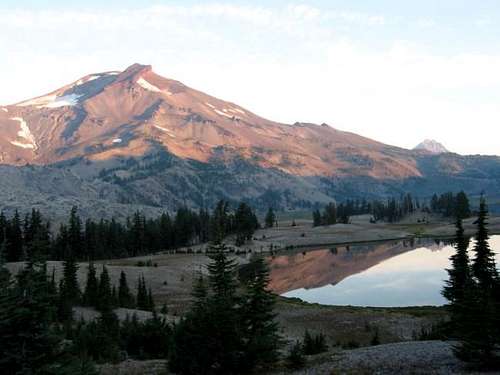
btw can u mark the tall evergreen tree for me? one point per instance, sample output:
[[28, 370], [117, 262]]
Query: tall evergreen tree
[[260, 330], [270, 218], [330, 214], [459, 273], [245, 223], [316, 218], [75, 234], [4, 272], [142, 294], [484, 267], [105, 300], [220, 222], [479, 327], [69, 291], [209, 340], [91, 293], [28, 344], [151, 301], [125, 297], [137, 234], [14, 236], [200, 294], [462, 206], [457, 287]]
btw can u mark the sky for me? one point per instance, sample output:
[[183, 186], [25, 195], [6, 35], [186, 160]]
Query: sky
[[397, 71]]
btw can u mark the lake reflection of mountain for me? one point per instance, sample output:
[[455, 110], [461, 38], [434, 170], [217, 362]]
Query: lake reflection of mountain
[[392, 273], [314, 269]]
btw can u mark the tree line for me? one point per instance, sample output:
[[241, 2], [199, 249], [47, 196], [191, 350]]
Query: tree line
[[473, 292], [393, 209], [230, 327], [138, 235]]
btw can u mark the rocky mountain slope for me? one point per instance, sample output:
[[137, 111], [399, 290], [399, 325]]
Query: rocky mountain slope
[[136, 139]]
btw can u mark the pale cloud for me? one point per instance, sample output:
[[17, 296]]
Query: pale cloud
[[426, 23], [483, 21]]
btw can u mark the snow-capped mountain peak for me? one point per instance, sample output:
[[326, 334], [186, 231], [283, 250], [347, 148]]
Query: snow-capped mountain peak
[[432, 146]]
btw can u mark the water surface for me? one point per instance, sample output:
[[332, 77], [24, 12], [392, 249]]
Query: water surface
[[387, 274]]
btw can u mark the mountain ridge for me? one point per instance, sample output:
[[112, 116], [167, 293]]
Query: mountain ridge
[[136, 138], [138, 97]]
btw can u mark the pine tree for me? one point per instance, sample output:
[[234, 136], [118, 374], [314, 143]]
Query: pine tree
[[462, 208], [316, 218], [3, 231], [219, 223], [4, 272], [270, 218], [166, 235], [105, 301], [28, 345], [69, 290], [295, 358], [75, 234], [245, 223], [142, 294], [14, 236], [91, 293], [260, 329], [459, 273], [479, 325], [114, 296], [330, 214], [137, 234], [125, 297], [151, 301], [200, 294], [209, 340], [52, 283], [484, 267], [222, 273]]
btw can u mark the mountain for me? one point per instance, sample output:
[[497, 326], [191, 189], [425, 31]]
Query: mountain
[[432, 146], [138, 140], [108, 115]]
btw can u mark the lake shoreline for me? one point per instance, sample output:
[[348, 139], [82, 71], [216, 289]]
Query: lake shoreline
[[315, 246]]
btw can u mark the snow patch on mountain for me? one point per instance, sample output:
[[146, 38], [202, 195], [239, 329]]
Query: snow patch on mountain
[[150, 87], [164, 130], [24, 133], [432, 146], [52, 101], [39, 102], [117, 140], [222, 113], [89, 79], [238, 111], [147, 86], [63, 101]]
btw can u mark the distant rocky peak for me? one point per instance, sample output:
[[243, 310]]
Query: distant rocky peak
[[432, 146]]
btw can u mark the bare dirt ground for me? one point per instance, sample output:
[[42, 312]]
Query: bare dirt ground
[[416, 357], [170, 279], [348, 326]]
